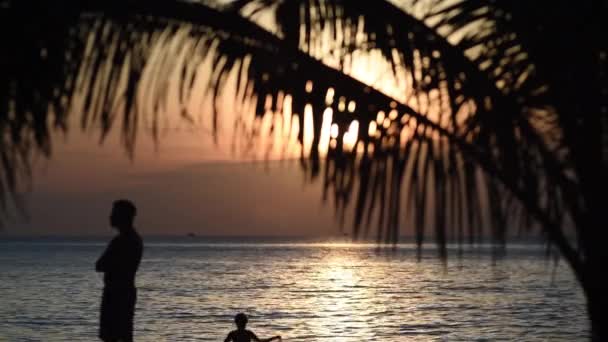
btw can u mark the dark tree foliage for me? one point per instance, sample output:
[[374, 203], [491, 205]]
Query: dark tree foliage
[[502, 124]]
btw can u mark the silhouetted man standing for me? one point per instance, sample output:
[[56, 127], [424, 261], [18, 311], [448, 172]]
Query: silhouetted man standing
[[119, 264]]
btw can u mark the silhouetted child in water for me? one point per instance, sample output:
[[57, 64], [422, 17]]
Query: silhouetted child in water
[[243, 335]]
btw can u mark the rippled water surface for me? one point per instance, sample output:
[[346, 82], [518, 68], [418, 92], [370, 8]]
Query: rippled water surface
[[190, 290]]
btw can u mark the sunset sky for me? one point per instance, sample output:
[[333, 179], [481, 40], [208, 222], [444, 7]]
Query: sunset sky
[[187, 185]]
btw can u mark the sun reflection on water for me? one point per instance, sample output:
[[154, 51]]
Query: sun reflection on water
[[343, 299]]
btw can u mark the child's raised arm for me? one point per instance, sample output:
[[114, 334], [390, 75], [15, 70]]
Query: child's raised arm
[[255, 338]]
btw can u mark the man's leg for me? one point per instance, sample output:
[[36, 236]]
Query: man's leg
[[130, 311], [122, 315], [104, 318]]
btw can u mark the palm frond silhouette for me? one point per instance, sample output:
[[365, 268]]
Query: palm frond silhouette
[[501, 122]]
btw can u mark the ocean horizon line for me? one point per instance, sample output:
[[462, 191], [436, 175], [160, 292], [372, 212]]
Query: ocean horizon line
[[277, 241]]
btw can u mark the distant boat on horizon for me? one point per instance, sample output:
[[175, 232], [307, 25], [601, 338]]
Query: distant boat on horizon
[[191, 234]]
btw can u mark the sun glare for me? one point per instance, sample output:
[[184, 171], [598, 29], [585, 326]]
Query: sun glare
[[275, 135]]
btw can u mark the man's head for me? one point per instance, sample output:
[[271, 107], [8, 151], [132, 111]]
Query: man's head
[[123, 214], [241, 320]]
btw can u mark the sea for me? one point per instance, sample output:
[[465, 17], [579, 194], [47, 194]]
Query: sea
[[190, 288]]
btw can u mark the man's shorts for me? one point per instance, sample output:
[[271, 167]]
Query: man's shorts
[[117, 311]]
